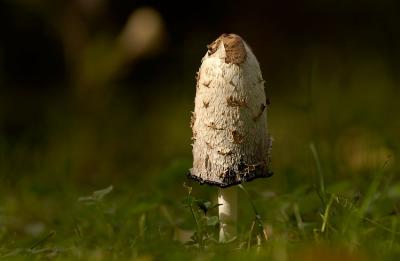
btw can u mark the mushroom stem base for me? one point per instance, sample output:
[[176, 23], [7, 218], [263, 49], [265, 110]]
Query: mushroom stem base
[[227, 198]]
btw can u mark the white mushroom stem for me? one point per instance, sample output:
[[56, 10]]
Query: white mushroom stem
[[227, 200]]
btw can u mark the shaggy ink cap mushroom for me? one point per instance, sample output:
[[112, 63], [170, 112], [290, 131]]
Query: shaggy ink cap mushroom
[[231, 144]]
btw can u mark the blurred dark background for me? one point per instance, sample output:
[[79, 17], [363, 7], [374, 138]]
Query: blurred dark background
[[99, 91]]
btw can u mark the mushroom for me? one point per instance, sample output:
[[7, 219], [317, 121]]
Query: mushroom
[[231, 144]]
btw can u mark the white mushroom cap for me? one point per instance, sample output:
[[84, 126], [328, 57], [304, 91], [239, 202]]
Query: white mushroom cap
[[230, 140]]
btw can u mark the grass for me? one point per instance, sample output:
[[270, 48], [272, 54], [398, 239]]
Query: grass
[[124, 222]]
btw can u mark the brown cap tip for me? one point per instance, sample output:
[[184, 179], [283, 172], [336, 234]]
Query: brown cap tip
[[234, 48]]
